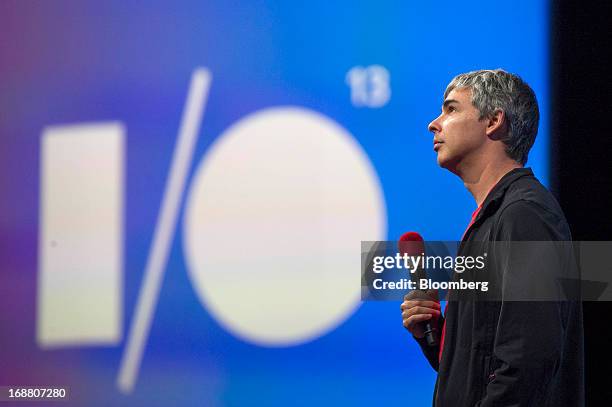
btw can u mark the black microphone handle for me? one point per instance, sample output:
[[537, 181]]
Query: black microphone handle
[[431, 333]]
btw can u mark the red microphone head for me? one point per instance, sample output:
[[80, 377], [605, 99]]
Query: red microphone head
[[411, 237], [411, 243]]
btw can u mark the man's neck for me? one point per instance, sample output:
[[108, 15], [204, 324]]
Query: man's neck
[[480, 179]]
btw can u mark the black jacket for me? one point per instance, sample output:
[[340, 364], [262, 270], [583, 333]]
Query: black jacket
[[511, 353]]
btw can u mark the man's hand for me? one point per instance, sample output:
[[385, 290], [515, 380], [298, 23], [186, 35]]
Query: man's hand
[[419, 306]]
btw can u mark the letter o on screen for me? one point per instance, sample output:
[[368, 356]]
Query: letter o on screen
[[273, 223]]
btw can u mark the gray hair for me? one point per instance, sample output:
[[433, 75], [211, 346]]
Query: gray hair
[[494, 90]]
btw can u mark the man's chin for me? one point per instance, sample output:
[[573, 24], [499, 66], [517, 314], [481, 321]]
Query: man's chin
[[442, 161], [446, 162]]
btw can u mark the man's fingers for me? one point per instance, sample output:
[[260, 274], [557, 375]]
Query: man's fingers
[[419, 303], [419, 311], [418, 307], [415, 319]]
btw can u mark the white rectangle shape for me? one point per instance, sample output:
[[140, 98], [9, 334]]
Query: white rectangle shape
[[80, 278]]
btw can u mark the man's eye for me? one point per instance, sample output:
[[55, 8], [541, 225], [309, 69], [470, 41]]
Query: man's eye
[[451, 109]]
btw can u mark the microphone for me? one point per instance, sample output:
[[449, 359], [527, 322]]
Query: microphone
[[411, 244]]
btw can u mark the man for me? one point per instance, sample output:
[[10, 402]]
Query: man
[[504, 352]]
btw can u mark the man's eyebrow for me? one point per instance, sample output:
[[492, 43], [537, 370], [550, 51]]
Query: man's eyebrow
[[448, 102]]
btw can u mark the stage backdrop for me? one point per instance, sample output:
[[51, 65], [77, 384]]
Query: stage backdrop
[[185, 186]]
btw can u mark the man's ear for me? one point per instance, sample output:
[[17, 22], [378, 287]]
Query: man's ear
[[497, 125]]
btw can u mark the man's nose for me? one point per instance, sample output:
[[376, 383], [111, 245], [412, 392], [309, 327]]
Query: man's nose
[[434, 126]]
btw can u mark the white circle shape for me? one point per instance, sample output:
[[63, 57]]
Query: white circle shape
[[273, 226]]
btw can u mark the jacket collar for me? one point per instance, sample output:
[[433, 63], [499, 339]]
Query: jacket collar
[[496, 195]]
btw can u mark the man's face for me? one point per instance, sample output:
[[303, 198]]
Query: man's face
[[458, 134]]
